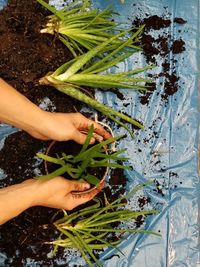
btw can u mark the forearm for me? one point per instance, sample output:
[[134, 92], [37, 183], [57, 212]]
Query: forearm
[[15, 199], [17, 110]]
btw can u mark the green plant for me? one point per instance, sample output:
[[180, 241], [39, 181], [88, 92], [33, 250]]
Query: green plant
[[79, 166], [89, 229], [82, 27], [85, 71]]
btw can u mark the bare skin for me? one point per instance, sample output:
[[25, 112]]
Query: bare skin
[[56, 193]]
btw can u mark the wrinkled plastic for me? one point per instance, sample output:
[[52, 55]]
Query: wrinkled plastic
[[175, 147]]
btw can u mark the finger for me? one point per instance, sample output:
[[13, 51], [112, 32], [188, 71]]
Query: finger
[[77, 200], [78, 186], [80, 138], [85, 126]]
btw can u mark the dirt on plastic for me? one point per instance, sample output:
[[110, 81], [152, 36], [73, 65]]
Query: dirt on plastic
[[158, 47]]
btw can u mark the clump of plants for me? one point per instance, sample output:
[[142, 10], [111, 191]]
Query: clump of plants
[[91, 68], [80, 166], [82, 27], [90, 229], [84, 71]]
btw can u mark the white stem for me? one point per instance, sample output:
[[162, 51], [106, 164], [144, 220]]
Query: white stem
[[113, 148]]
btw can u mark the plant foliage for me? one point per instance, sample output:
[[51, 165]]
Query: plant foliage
[[84, 70], [82, 27], [89, 229], [106, 46], [90, 157]]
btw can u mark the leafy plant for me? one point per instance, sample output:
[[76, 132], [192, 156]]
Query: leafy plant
[[79, 166], [82, 27], [89, 228], [83, 71]]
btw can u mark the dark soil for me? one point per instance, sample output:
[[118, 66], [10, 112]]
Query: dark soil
[[25, 56], [179, 20], [153, 22], [178, 46], [156, 49]]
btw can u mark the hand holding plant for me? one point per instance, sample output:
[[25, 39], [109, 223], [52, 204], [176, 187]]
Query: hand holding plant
[[56, 193], [80, 166], [69, 126]]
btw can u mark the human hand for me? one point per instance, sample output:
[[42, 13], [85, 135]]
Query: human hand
[[55, 193], [67, 126], [58, 193], [22, 113]]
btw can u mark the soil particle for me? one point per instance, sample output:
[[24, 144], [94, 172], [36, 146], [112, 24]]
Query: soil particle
[[159, 188], [178, 46], [171, 85], [153, 22], [180, 20], [145, 95], [143, 201]]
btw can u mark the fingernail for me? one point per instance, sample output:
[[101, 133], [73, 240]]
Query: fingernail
[[92, 141], [87, 186]]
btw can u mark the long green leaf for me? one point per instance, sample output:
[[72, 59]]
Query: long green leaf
[[97, 105], [58, 172], [86, 57]]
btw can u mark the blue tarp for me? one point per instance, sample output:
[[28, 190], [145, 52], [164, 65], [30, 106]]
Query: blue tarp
[[175, 146]]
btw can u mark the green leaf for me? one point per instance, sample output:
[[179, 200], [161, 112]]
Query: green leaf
[[86, 57], [49, 176], [88, 139], [91, 179], [50, 159]]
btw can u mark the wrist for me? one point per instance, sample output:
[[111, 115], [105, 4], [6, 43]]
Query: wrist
[[16, 198], [19, 111]]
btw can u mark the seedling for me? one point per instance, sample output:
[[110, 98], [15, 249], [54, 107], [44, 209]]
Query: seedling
[[82, 27], [89, 229], [90, 157]]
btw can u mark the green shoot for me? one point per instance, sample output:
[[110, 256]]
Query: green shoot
[[88, 229], [81, 27]]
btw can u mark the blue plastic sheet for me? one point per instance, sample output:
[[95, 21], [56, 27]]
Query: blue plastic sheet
[[175, 146]]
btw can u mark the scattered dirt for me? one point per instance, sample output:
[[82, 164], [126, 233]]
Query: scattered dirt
[[153, 22], [180, 20], [158, 48], [178, 46]]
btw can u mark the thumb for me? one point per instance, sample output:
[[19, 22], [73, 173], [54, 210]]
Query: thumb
[[80, 137], [78, 186]]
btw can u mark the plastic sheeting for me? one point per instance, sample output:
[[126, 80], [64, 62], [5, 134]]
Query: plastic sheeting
[[175, 146]]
